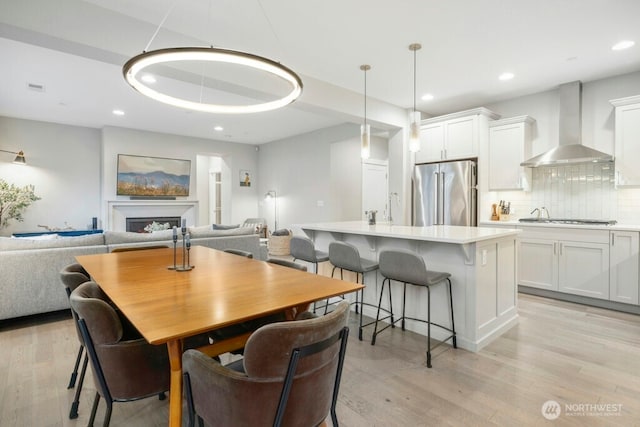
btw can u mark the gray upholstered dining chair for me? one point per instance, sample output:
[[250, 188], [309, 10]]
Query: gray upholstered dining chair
[[125, 366], [290, 375], [72, 276], [287, 263], [239, 252], [409, 268]]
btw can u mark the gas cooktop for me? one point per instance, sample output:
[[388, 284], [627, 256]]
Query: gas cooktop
[[569, 221]]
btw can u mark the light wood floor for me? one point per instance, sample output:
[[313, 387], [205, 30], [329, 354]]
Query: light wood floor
[[559, 351]]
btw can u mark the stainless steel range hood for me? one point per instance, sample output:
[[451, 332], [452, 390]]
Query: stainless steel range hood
[[570, 149]]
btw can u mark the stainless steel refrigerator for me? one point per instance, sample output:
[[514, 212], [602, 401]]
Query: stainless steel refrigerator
[[445, 194]]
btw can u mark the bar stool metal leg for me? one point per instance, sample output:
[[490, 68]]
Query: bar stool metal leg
[[390, 311], [453, 325], [428, 327]]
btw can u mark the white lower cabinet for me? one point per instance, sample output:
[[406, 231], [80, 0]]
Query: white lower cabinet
[[538, 266], [584, 269], [576, 263], [623, 269]]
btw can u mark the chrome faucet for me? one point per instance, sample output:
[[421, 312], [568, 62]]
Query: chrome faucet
[[541, 212]]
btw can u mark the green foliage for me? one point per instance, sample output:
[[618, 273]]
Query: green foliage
[[14, 200]]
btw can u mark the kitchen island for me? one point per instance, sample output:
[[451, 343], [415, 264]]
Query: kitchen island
[[481, 261]]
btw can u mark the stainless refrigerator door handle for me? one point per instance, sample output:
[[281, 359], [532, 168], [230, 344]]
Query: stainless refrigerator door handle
[[436, 190], [441, 222]]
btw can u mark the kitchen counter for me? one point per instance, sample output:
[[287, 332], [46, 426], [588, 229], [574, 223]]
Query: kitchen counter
[[516, 223], [481, 261], [437, 233]]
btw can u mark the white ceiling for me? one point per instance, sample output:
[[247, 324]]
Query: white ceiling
[[76, 50]]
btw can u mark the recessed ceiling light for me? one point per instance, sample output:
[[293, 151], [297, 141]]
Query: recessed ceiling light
[[148, 78], [427, 97], [218, 128], [506, 76], [624, 44], [118, 112]]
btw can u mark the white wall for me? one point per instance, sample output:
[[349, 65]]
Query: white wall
[[345, 176], [400, 168], [317, 175], [63, 163], [243, 200]]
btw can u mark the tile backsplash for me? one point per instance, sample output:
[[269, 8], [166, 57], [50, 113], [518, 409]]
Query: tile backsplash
[[585, 190], [581, 191]]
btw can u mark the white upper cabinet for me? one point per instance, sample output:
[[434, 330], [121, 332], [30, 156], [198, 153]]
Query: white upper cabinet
[[509, 145], [454, 136], [627, 141]]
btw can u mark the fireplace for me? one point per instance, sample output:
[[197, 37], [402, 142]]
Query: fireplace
[[119, 210], [137, 225]]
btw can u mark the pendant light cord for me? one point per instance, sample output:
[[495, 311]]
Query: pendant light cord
[[365, 96], [146, 49], [414, 80]]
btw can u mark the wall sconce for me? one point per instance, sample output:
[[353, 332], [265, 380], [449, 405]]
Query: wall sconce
[[19, 160], [269, 197]]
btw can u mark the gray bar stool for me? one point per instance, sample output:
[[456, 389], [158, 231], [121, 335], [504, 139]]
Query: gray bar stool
[[304, 249], [345, 256], [409, 268]]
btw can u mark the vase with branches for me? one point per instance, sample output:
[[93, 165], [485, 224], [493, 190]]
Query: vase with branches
[[14, 200]]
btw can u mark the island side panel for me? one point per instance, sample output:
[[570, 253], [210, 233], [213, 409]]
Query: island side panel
[[495, 290]]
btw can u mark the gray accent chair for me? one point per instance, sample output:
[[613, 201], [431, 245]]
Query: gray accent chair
[[259, 224], [409, 268], [72, 276], [290, 376], [125, 366], [345, 256]]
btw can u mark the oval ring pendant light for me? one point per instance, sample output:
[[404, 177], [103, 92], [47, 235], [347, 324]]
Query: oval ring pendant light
[[133, 68]]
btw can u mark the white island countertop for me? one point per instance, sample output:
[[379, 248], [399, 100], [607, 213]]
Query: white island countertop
[[436, 233]]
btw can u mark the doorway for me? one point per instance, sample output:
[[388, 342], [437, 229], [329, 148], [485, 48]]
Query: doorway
[[375, 188]]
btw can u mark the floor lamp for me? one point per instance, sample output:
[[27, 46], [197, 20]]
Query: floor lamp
[[272, 197]]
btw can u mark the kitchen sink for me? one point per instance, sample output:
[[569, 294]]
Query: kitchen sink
[[568, 221]]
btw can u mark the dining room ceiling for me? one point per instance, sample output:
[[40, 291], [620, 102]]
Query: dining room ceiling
[[62, 61]]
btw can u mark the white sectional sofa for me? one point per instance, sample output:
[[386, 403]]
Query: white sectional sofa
[[29, 269]]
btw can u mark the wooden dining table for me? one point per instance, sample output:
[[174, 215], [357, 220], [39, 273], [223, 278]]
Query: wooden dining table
[[222, 289]]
